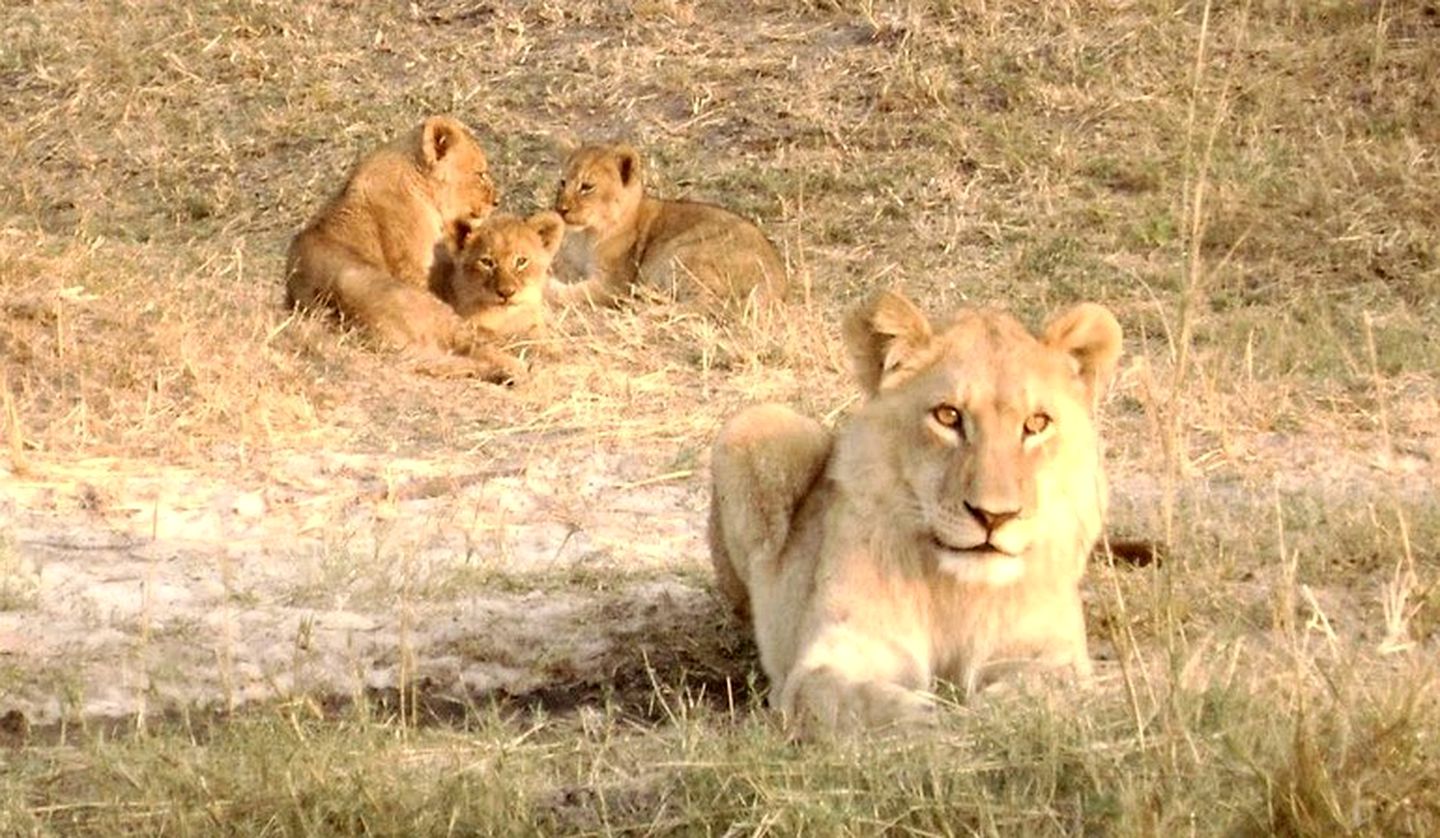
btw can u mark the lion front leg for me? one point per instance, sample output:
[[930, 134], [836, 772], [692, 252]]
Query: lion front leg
[[601, 287], [594, 291], [541, 341], [478, 351], [1047, 650], [848, 679]]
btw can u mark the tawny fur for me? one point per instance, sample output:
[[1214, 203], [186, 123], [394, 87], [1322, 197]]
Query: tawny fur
[[621, 239], [367, 253], [493, 274], [941, 533]]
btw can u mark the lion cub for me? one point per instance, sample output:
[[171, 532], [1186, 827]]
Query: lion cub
[[685, 249], [367, 253], [496, 272], [942, 532]]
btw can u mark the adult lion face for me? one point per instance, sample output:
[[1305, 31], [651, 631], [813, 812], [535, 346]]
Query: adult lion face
[[978, 444]]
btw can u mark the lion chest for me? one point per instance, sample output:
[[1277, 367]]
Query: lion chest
[[980, 630], [524, 315]]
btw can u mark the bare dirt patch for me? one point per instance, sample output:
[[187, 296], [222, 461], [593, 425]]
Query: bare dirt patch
[[140, 588]]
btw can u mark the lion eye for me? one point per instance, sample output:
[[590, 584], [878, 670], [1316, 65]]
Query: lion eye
[[1037, 424], [947, 415], [521, 262], [586, 188], [487, 263]]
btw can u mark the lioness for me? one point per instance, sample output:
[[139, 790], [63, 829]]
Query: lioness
[[685, 249], [367, 253], [941, 533], [496, 272]]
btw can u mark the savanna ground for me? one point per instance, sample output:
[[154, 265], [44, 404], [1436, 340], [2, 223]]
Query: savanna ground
[[255, 579]]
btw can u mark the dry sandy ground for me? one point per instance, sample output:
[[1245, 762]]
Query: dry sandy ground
[[136, 586], [156, 587]]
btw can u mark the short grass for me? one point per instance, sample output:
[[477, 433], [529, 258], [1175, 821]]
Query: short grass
[[1252, 187], [1325, 747]]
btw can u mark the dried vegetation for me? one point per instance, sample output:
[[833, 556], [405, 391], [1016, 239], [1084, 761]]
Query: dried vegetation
[[1253, 187]]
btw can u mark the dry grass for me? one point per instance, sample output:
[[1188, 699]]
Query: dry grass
[[1253, 188]]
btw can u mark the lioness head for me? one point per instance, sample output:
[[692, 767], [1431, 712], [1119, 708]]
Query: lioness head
[[502, 261], [454, 168], [978, 445], [600, 188]]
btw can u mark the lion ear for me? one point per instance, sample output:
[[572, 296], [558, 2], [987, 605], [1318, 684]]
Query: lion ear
[[627, 161], [881, 334], [1090, 334], [438, 135], [458, 233], [550, 227]]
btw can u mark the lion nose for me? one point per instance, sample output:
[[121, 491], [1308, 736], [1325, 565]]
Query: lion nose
[[505, 292], [990, 519]]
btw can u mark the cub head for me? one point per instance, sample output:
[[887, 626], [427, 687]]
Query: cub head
[[977, 447], [502, 262], [453, 168], [600, 187]]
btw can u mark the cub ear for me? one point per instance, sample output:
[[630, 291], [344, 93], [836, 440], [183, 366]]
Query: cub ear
[[550, 227], [458, 232], [1090, 334], [438, 135], [627, 161], [881, 334]]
